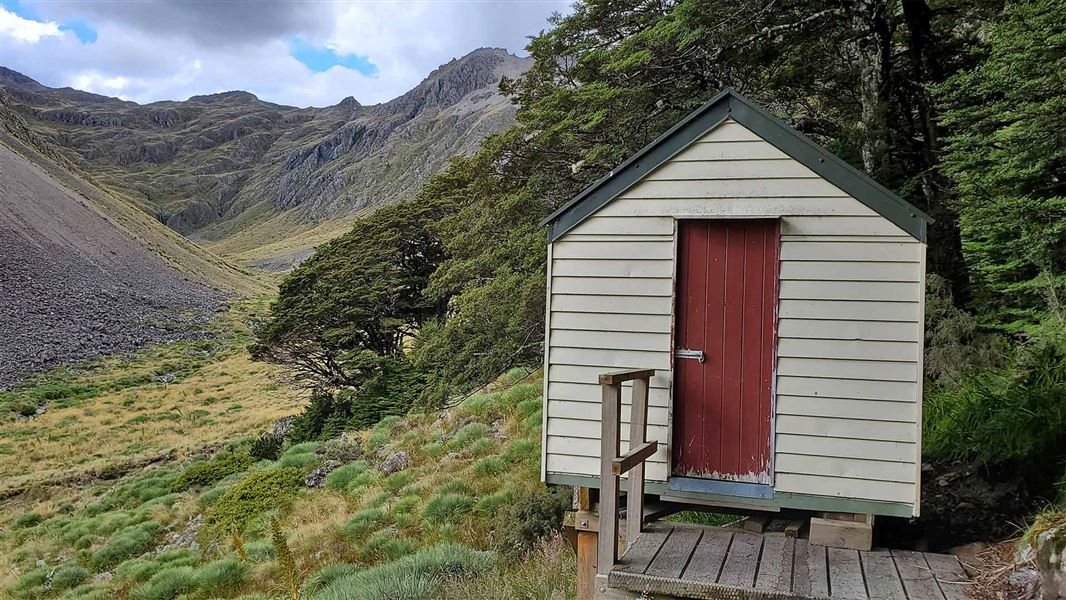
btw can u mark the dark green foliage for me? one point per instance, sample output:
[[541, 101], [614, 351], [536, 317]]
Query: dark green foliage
[[1008, 156], [355, 301], [390, 388], [266, 447], [1016, 413], [258, 492], [212, 471], [530, 518]]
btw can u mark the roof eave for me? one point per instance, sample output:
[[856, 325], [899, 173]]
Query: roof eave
[[731, 104]]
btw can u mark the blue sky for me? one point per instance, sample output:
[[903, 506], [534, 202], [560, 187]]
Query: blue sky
[[286, 51]]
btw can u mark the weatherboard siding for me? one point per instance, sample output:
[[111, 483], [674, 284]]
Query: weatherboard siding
[[849, 334]]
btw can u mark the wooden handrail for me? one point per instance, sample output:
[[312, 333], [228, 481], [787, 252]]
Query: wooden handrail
[[612, 465], [628, 461], [628, 375]]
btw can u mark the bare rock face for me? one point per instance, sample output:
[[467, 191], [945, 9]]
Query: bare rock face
[[394, 463], [317, 478]]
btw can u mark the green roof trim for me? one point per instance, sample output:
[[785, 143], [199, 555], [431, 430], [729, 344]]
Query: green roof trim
[[729, 104]]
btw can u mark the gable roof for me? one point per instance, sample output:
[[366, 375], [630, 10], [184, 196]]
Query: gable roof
[[729, 104]]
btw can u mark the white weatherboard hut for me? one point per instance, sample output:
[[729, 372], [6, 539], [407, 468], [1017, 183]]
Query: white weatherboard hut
[[777, 295]]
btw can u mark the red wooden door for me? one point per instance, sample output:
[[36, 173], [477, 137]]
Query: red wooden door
[[726, 308]]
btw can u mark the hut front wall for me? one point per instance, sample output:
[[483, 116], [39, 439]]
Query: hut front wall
[[847, 398]]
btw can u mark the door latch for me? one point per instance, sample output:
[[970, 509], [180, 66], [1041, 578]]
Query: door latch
[[686, 353]]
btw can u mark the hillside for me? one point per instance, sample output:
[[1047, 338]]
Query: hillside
[[230, 165], [434, 505], [84, 273]]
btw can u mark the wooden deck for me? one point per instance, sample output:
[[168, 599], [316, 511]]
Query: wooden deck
[[691, 561]]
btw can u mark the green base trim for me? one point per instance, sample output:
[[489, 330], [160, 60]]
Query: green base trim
[[780, 500]]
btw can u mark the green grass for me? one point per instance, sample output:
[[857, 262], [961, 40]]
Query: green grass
[[405, 535]]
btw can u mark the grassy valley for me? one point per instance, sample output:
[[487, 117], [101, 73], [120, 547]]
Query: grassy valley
[[432, 505]]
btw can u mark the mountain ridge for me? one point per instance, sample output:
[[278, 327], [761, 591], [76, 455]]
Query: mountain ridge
[[218, 165]]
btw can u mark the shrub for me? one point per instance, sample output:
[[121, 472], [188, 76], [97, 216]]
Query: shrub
[[125, 543], [364, 522], [69, 576], [467, 434], [532, 517], [489, 466], [266, 447], [221, 577], [413, 577], [442, 508], [341, 477], [1017, 413], [167, 584], [212, 471], [256, 493], [27, 520]]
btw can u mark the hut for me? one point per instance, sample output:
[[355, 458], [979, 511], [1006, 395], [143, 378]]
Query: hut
[[754, 305]]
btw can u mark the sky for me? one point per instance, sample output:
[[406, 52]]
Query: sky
[[295, 52]]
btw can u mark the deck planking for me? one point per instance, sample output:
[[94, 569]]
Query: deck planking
[[694, 561]]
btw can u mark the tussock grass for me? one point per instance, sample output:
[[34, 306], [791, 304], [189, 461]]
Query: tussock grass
[[111, 413], [411, 534]]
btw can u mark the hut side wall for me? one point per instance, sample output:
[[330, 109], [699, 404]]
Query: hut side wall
[[847, 405]]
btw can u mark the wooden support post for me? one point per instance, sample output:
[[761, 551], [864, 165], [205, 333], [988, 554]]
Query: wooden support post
[[638, 426], [611, 429]]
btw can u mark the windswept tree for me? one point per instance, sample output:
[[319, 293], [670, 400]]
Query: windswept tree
[[348, 312]]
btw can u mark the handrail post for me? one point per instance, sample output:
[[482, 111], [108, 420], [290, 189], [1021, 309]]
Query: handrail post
[[611, 425], [638, 425]]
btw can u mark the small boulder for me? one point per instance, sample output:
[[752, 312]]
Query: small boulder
[[283, 426], [317, 478], [395, 462]]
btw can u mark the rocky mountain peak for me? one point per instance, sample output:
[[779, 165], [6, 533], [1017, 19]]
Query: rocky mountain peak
[[14, 79], [459, 77], [232, 97]]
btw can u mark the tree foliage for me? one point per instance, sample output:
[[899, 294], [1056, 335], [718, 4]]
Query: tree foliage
[[1008, 157], [344, 315]]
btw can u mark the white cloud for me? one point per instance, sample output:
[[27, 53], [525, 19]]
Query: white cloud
[[186, 57], [15, 27]]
